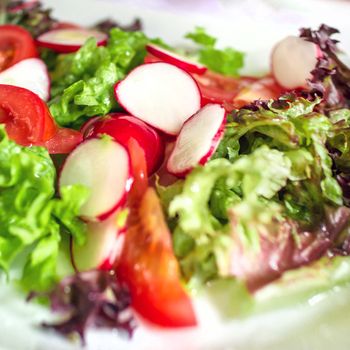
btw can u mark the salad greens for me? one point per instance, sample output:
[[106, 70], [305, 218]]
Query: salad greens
[[272, 169], [82, 82], [227, 61], [271, 205], [202, 233], [31, 218]]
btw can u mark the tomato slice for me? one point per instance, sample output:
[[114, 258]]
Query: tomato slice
[[217, 88], [147, 263], [16, 44], [64, 141], [24, 115], [264, 89]]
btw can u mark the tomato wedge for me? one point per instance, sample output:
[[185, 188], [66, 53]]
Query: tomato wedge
[[147, 263], [28, 121], [263, 89], [217, 88], [25, 115], [16, 44], [63, 141]]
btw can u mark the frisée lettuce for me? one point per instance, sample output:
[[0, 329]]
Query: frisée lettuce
[[31, 218]]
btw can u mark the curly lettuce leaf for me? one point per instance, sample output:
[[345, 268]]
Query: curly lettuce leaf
[[82, 82], [202, 237], [292, 126], [300, 285], [31, 219], [227, 61]]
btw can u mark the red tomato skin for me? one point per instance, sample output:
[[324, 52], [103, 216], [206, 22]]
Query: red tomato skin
[[63, 141], [19, 42], [217, 88], [150, 270], [123, 128], [147, 263], [23, 113]]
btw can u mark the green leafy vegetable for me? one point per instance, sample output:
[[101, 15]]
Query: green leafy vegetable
[[201, 237], [301, 284], [82, 82], [227, 61], [31, 219], [292, 126]]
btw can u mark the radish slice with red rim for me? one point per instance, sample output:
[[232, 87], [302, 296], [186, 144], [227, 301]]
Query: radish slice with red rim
[[102, 247], [162, 95], [103, 166], [124, 127], [30, 74], [70, 39], [175, 59], [292, 61], [198, 140]]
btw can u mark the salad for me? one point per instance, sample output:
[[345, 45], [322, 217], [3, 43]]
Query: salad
[[154, 174]]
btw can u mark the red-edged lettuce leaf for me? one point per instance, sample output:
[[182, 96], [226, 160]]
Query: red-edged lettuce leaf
[[331, 76]]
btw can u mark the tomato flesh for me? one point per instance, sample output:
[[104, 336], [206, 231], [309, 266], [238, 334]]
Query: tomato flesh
[[16, 44], [263, 89], [28, 121], [147, 263], [217, 88], [63, 141], [23, 113]]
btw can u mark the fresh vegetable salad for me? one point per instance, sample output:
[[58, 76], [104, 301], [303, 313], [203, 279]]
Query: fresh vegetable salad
[[155, 174]]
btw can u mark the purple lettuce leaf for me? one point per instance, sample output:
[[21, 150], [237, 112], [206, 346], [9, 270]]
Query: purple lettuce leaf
[[331, 77], [91, 299]]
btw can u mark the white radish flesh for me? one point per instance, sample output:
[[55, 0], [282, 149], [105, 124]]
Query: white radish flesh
[[175, 59], [197, 140], [102, 246], [30, 74], [103, 166], [69, 40], [160, 94], [292, 61]]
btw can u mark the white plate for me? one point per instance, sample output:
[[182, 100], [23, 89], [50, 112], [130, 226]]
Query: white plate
[[252, 26]]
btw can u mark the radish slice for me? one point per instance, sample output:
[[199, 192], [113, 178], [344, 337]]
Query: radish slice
[[102, 247], [30, 74], [197, 140], [70, 39], [103, 166], [124, 127], [292, 61], [160, 94], [175, 59]]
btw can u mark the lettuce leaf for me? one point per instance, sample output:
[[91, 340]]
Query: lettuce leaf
[[31, 219], [291, 125], [202, 236], [300, 285], [227, 61], [82, 82]]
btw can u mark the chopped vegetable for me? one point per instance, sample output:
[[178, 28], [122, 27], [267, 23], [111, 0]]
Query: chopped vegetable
[[30, 217], [227, 61], [93, 298]]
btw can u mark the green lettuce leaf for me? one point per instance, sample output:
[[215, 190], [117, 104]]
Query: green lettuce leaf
[[202, 234], [292, 126], [82, 82], [31, 219], [227, 61], [298, 286]]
